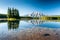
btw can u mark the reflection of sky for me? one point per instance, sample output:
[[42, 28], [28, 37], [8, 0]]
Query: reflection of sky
[[23, 25], [50, 25], [28, 6], [3, 29]]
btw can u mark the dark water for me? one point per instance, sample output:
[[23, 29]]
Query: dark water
[[9, 27]]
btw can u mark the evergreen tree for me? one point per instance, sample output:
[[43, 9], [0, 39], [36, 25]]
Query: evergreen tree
[[9, 12], [14, 13]]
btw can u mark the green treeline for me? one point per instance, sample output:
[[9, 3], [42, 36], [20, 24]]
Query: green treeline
[[13, 13], [3, 15]]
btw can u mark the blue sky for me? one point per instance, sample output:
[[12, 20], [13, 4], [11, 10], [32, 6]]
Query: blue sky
[[47, 7]]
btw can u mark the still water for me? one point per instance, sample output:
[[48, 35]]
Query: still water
[[10, 27]]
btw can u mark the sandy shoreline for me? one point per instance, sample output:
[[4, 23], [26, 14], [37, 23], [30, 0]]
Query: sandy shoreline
[[34, 34]]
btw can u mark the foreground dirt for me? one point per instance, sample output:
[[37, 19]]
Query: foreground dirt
[[34, 34]]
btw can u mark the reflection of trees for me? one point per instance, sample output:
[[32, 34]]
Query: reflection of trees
[[13, 24], [2, 21], [36, 22]]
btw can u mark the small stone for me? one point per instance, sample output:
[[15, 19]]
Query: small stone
[[46, 35]]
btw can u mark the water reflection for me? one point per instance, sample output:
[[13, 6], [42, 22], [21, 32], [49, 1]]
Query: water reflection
[[19, 24], [36, 22], [2, 21], [13, 24]]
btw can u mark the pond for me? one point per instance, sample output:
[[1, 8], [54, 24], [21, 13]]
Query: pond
[[11, 27]]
